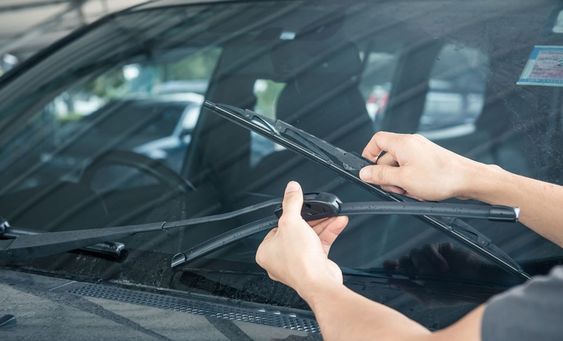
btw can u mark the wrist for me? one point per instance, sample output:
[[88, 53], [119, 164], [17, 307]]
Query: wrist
[[468, 173], [483, 182], [318, 293]]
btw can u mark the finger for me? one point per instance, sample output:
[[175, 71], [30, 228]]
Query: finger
[[271, 234], [332, 231], [394, 189], [272, 277], [387, 159], [381, 141], [261, 256], [413, 197], [261, 252], [317, 222], [382, 175], [319, 228], [292, 203]]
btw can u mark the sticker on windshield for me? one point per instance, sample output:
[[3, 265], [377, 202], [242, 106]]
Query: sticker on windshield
[[544, 67]]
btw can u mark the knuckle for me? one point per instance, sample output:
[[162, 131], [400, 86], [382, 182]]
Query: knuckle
[[290, 198], [377, 138], [381, 134], [413, 139], [380, 175], [261, 254], [368, 172], [419, 137], [284, 220], [286, 199], [259, 259]]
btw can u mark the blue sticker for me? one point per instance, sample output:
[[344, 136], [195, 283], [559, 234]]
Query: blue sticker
[[544, 67]]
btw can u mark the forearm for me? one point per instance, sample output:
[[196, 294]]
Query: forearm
[[540, 203], [344, 315]]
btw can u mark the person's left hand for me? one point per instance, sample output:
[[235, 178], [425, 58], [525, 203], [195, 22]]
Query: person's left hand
[[296, 253]]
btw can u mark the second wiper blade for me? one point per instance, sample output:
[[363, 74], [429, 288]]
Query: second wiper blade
[[323, 205]]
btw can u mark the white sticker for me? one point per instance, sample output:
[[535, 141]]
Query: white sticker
[[544, 67]]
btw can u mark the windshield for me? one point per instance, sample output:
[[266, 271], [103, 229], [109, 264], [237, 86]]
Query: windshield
[[107, 130]]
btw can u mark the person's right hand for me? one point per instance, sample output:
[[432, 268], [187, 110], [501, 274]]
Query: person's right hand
[[416, 167]]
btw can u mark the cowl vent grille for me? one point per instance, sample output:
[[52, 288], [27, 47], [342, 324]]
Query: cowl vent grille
[[200, 307]]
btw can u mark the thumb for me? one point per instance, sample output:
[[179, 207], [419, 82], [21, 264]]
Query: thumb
[[292, 201], [382, 175]]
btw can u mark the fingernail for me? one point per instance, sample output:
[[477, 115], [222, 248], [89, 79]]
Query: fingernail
[[292, 186], [364, 173]]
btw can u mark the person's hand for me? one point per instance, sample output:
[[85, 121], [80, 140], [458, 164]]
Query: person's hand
[[416, 167], [296, 253]]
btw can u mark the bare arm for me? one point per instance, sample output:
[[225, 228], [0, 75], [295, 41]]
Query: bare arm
[[417, 167], [345, 315], [296, 254], [540, 203]]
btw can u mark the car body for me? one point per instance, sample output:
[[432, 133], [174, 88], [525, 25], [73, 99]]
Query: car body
[[447, 69]]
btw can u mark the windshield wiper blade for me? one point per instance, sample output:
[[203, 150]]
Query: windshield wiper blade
[[318, 150], [323, 205], [348, 165]]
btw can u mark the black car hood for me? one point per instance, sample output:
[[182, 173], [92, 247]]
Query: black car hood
[[55, 308]]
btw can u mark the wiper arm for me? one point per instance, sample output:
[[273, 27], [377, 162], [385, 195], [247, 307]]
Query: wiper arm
[[18, 243], [348, 165], [323, 205], [110, 249]]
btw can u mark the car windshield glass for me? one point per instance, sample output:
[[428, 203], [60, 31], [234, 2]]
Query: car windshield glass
[[106, 129]]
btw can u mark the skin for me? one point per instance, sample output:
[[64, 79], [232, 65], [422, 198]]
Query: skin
[[296, 253]]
